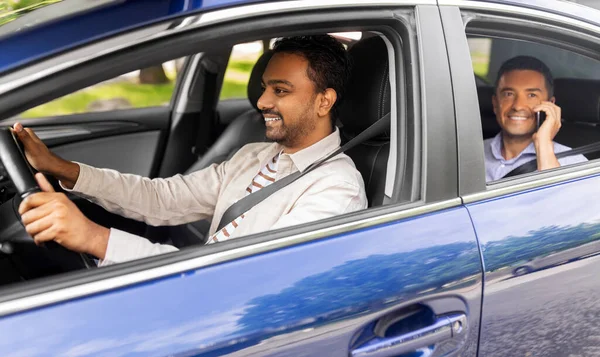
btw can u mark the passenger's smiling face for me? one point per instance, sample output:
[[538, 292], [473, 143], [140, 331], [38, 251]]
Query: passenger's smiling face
[[518, 91]]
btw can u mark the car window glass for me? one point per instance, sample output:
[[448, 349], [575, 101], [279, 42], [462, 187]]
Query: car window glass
[[488, 54], [576, 82], [147, 87], [11, 10], [242, 59]]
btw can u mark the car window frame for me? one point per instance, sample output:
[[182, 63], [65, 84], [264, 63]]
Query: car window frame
[[473, 187], [414, 181]]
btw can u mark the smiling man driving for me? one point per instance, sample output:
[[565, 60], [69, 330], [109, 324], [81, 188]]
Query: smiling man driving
[[524, 86], [303, 85]]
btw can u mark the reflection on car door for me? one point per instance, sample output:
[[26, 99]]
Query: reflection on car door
[[540, 250], [418, 279]]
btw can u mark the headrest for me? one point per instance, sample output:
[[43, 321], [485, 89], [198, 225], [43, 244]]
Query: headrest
[[484, 94], [254, 83], [368, 93], [579, 99], [489, 125]]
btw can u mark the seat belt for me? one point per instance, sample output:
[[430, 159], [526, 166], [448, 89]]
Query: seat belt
[[531, 166], [245, 204]]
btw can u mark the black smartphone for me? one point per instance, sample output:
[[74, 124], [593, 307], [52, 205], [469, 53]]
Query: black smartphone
[[540, 117]]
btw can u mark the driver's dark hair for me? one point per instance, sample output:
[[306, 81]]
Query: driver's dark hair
[[524, 63], [329, 65]]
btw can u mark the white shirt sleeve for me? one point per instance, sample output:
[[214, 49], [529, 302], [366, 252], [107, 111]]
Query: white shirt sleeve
[[162, 201], [123, 246]]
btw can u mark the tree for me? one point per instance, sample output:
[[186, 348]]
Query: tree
[[153, 75]]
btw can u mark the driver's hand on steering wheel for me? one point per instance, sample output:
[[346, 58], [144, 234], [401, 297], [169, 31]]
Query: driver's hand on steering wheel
[[37, 153], [44, 160], [51, 216]]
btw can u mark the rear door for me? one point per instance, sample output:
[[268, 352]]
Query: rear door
[[403, 279], [539, 233]]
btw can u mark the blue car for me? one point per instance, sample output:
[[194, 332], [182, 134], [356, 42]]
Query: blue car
[[442, 263]]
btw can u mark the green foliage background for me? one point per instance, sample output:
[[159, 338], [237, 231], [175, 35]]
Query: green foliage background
[[138, 95]]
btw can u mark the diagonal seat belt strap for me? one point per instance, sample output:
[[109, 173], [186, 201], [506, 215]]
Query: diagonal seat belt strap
[[245, 204], [531, 166]]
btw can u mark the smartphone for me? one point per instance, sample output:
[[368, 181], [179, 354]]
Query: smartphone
[[540, 117]]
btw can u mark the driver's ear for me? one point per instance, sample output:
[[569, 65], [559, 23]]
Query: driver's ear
[[326, 101], [553, 100]]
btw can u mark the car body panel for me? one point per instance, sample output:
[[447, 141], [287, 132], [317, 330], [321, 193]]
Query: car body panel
[[281, 302], [70, 31], [51, 37], [319, 297], [547, 308]]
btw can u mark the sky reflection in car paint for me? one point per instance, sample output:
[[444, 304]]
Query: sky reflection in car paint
[[336, 278], [555, 233], [507, 226]]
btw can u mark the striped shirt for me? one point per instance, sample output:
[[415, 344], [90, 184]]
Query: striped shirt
[[265, 177]]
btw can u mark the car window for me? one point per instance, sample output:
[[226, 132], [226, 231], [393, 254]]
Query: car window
[[147, 87], [242, 59], [576, 86], [11, 10], [488, 54]]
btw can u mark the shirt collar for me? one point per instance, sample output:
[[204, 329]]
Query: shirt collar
[[497, 149], [305, 157]]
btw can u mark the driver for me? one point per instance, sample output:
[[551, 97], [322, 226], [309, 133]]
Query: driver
[[303, 84], [524, 86]]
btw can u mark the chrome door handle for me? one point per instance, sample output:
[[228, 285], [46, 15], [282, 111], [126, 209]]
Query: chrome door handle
[[444, 328]]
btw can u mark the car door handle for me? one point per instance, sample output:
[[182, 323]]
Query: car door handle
[[444, 328]]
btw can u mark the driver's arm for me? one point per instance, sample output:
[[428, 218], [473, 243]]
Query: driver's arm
[[51, 216], [176, 200], [161, 201]]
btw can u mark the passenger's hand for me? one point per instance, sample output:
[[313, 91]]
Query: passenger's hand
[[543, 138], [44, 160], [548, 130], [51, 216]]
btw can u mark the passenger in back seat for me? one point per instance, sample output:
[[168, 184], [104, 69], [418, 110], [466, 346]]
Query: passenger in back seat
[[524, 86]]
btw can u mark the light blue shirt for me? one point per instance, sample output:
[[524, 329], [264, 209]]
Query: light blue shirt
[[496, 167]]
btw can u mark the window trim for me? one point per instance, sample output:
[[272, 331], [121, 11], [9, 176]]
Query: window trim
[[82, 283]]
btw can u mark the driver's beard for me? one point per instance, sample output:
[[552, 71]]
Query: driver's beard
[[290, 135]]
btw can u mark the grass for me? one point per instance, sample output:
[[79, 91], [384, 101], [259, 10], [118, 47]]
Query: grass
[[138, 95], [481, 63]]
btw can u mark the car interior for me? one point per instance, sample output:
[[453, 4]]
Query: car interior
[[218, 131], [578, 95]]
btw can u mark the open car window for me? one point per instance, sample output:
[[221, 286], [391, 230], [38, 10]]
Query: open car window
[[90, 126], [576, 86]]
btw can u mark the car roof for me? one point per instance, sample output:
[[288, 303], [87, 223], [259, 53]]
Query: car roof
[[71, 23], [560, 7]]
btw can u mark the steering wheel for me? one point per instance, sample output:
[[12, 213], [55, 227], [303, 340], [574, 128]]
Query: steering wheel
[[16, 165], [21, 174]]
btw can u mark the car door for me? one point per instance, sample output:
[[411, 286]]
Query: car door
[[402, 279], [538, 233]]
